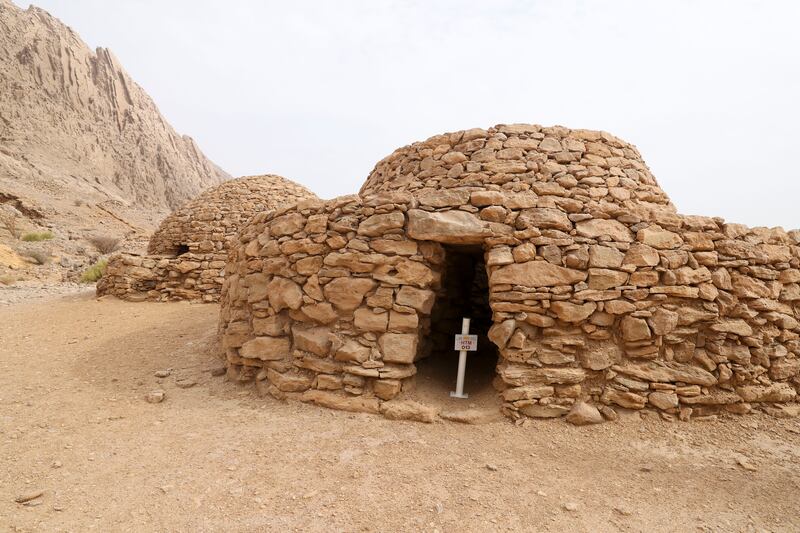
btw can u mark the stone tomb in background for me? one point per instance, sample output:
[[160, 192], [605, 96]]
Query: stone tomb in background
[[187, 254]]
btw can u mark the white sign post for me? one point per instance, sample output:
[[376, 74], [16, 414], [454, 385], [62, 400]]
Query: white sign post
[[464, 343]]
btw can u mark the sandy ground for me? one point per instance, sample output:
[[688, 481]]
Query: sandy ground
[[215, 457]]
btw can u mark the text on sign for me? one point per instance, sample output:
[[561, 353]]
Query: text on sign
[[466, 343]]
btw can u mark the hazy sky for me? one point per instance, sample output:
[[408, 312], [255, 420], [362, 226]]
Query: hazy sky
[[319, 91]]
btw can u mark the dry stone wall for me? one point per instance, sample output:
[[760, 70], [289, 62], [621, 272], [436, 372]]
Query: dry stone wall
[[602, 296], [187, 254]]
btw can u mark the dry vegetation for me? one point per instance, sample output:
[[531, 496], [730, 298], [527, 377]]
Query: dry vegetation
[[94, 272], [42, 257], [105, 244], [38, 236]]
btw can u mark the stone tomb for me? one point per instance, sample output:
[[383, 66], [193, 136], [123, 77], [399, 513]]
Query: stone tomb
[[594, 292], [187, 254]]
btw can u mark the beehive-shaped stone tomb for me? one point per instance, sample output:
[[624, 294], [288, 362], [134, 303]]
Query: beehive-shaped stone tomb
[[187, 253], [584, 284]]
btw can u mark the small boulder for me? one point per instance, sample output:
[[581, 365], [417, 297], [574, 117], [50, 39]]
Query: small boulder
[[583, 414], [408, 410], [155, 396]]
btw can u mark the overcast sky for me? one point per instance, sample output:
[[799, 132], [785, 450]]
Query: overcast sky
[[319, 91]]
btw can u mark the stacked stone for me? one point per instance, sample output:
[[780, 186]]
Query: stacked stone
[[601, 294], [187, 254]]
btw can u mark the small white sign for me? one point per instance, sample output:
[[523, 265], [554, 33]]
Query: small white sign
[[466, 343]]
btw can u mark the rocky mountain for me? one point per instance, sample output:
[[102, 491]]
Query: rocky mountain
[[84, 150], [75, 127]]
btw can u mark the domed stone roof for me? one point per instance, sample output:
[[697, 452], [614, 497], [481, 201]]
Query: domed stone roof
[[205, 223], [580, 170]]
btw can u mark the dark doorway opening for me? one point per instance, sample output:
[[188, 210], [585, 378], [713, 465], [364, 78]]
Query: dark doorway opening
[[181, 249], [464, 294]]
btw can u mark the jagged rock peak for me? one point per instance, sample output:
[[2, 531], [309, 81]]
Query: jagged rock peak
[[74, 124]]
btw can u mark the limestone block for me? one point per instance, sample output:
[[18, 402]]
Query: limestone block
[[598, 227], [690, 276], [284, 294], [544, 411], [519, 375], [528, 392], [444, 197], [604, 257], [289, 382], [659, 238], [334, 400], [287, 224], [541, 321], [328, 381], [746, 287], [663, 321], [600, 357], [352, 351], [235, 334], [777, 392], [583, 414], [641, 255], [498, 256], [666, 372], [646, 278], [487, 198], [186, 266], [499, 333], [398, 347], [420, 299], [390, 246], [377, 225], [386, 389], [408, 410], [274, 326], [663, 400], [402, 322], [266, 348], [368, 320], [321, 312], [603, 278], [449, 227], [629, 400], [347, 293], [634, 329], [406, 272], [543, 217], [784, 368], [568, 312], [536, 274], [524, 252], [732, 325], [315, 340], [308, 265]]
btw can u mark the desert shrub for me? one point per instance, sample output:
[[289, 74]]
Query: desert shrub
[[36, 236], [41, 257], [9, 221], [104, 244], [94, 272]]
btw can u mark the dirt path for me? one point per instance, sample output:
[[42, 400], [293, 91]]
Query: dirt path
[[214, 457]]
